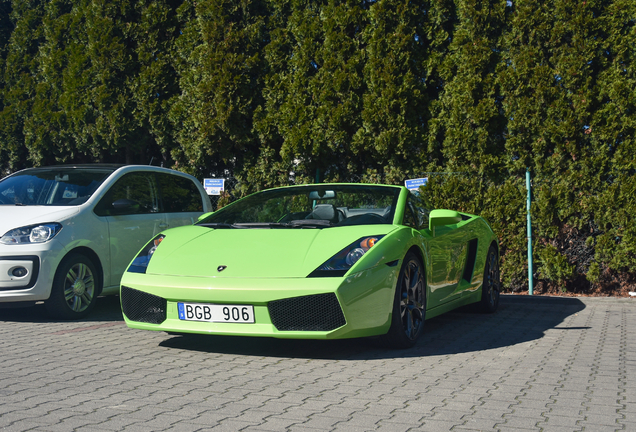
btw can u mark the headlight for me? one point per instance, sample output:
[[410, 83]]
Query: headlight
[[341, 262], [141, 261], [31, 234]]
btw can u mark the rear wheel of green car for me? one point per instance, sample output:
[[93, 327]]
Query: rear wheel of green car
[[492, 285], [409, 305]]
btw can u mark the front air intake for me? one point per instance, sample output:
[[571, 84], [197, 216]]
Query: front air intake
[[142, 307], [320, 312]]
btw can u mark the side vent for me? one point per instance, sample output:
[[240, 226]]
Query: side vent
[[470, 260]]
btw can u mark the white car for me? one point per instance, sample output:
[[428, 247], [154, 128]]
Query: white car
[[69, 232]]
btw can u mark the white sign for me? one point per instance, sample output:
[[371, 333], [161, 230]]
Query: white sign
[[214, 186]]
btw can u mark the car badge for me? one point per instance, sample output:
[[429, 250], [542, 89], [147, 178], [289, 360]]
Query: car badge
[[221, 268]]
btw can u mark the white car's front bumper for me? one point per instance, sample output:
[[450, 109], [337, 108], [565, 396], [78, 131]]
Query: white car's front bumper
[[40, 262]]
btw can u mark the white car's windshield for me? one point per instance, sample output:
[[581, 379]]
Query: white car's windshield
[[51, 186], [311, 206]]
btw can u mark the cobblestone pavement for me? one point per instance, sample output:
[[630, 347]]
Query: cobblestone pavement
[[539, 363]]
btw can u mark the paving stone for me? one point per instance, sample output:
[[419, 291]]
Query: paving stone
[[558, 363], [478, 424]]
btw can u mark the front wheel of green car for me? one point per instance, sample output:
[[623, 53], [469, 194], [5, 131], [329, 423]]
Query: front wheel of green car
[[409, 305], [492, 285], [75, 288]]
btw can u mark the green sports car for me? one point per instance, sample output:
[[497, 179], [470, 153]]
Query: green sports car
[[320, 261]]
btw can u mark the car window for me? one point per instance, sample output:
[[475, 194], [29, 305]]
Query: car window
[[420, 210], [134, 193], [51, 186], [179, 194], [310, 206], [409, 217]]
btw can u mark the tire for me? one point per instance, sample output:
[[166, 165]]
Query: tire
[[76, 286], [409, 305], [492, 285]]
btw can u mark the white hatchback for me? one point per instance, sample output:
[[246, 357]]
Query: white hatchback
[[69, 232]]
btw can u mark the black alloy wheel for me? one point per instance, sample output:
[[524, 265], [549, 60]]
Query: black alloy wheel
[[492, 284], [409, 305]]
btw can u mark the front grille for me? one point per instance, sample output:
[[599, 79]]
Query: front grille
[[142, 307], [320, 312]]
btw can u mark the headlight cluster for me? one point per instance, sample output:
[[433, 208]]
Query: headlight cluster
[[341, 262], [141, 261], [31, 234]]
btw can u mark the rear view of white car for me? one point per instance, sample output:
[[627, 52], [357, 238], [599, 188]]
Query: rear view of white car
[[69, 232]]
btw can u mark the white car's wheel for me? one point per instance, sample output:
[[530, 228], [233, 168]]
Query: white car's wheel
[[75, 288]]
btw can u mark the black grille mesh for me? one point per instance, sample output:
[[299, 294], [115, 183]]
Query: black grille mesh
[[310, 313], [142, 307]]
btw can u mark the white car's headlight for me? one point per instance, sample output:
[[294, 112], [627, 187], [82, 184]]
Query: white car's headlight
[[31, 234]]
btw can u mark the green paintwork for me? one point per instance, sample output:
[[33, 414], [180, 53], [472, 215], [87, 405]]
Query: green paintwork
[[271, 264], [254, 253], [204, 215], [442, 217]]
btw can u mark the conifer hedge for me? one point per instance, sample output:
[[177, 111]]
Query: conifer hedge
[[281, 91]]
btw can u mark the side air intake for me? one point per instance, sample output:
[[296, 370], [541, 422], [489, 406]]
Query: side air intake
[[320, 312], [142, 307]]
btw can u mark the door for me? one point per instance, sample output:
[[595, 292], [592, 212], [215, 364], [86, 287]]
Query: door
[[448, 257], [446, 252], [131, 208]]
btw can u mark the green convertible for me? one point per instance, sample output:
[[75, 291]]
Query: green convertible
[[321, 261]]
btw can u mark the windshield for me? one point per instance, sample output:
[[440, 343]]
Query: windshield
[[312, 206], [51, 187]]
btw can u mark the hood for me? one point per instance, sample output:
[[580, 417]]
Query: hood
[[252, 253], [18, 216]]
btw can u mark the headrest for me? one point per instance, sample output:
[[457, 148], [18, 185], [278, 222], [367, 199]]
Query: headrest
[[325, 212]]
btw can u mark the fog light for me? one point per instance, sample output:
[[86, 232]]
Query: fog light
[[19, 272]]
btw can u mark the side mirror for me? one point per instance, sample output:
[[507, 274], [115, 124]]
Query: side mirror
[[204, 215], [442, 217], [125, 206]]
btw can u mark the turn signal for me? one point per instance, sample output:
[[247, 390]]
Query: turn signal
[[368, 242]]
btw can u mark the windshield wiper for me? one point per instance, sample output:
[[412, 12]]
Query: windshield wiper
[[310, 223], [261, 225], [219, 225], [301, 223]]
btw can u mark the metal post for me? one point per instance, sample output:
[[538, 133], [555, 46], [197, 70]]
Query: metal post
[[530, 272], [317, 175]]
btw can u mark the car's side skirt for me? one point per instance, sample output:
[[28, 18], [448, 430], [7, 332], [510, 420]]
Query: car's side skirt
[[464, 300]]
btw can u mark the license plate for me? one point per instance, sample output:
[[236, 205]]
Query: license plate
[[216, 313]]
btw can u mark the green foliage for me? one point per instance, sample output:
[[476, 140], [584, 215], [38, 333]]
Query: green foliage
[[87, 80], [275, 92], [593, 274], [468, 119], [219, 66], [614, 213], [553, 266]]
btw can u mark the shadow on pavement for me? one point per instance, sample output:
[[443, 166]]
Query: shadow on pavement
[[106, 309], [519, 319]]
